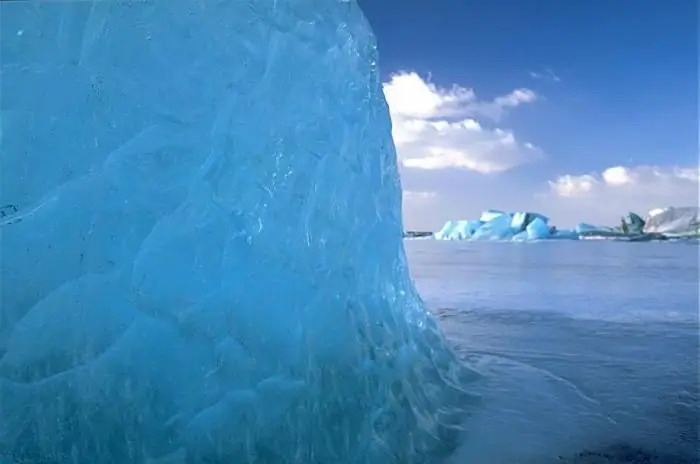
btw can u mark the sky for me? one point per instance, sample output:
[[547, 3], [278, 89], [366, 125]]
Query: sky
[[581, 110]]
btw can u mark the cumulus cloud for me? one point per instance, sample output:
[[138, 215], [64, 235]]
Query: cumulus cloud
[[650, 180], [437, 128], [607, 194]]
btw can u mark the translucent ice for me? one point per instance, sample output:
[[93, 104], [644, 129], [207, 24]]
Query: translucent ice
[[458, 230], [498, 228], [537, 229], [446, 231], [488, 216], [522, 219], [201, 241]]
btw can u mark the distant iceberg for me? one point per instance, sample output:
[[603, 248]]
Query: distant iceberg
[[495, 225], [500, 225], [672, 221]]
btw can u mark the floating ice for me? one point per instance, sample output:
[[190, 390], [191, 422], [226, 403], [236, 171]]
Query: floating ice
[[537, 229], [458, 230], [660, 224], [674, 221], [490, 215], [498, 225], [202, 242], [497, 228]]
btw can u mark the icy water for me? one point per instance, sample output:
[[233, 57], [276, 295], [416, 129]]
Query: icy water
[[588, 350]]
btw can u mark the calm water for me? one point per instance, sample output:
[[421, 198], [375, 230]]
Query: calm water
[[584, 347]]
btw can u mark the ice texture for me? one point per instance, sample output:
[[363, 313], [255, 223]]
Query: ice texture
[[458, 230], [202, 255], [490, 215], [537, 229], [673, 221], [498, 225], [521, 226], [497, 228]]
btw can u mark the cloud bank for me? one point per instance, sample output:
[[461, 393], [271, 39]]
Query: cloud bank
[[457, 158], [436, 128]]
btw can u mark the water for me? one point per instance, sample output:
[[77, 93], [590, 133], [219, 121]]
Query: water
[[588, 350]]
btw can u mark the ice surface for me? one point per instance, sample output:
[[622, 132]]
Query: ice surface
[[521, 220], [635, 223], [674, 221], [498, 225], [660, 224], [446, 231], [490, 215], [497, 228], [464, 229], [458, 230], [537, 229], [202, 243]]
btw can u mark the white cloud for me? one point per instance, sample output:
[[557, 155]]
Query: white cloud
[[436, 128], [606, 195], [545, 75], [654, 180]]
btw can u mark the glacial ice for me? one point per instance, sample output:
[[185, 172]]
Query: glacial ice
[[458, 230], [673, 221], [660, 224], [490, 215], [499, 225], [202, 255], [497, 228]]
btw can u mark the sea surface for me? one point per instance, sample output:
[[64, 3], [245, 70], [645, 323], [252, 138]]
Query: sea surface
[[588, 350]]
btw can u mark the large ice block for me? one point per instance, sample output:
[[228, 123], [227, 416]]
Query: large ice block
[[537, 229], [202, 254]]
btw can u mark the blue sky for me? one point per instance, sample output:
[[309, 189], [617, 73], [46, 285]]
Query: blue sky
[[591, 85]]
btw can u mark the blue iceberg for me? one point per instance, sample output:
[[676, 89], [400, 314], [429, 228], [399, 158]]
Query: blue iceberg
[[458, 230], [494, 225], [497, 228], [521, 226], [202, 241]]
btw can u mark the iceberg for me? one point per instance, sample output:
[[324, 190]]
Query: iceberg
[[584, 227], [494, 225], [497, 228], [673, 221], [202, 242], [537, 229], [458, 230], [521, 220], [446, 232], [634, 223], [660, 224]]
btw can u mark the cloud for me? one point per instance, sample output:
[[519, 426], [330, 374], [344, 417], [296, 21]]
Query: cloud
[[545, 75], [607, 194], [437, 128], [650, 180]]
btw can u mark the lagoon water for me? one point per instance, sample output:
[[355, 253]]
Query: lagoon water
[[588, 350]]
